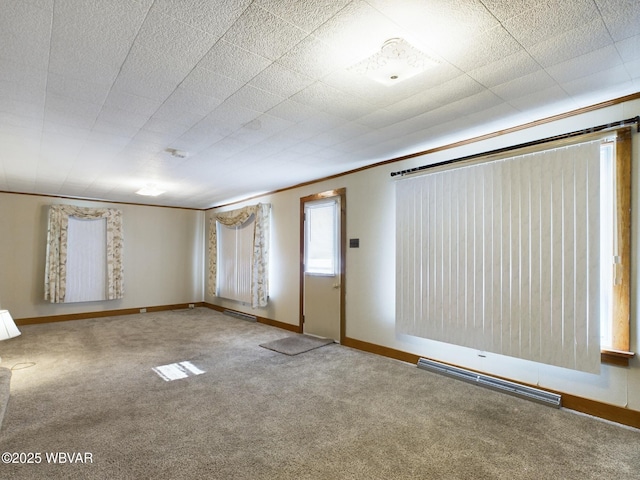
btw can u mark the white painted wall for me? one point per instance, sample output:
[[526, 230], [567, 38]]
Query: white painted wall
[[370, 269], [163, 256]]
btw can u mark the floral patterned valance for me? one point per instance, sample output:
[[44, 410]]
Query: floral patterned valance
[[260, 265], [56, 262]]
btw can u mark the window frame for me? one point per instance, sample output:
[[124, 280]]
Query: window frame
[[86, 260], [260, 267], [619, 352], [334, 204], [56, 253]]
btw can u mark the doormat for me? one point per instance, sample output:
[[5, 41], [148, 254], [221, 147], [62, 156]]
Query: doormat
[[176, 371], [296, 344]]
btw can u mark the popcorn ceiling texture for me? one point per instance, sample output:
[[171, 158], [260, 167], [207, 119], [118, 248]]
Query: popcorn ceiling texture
[[91, 92]]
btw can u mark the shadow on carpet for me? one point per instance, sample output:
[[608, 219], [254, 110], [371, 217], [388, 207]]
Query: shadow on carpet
[[296, 344]]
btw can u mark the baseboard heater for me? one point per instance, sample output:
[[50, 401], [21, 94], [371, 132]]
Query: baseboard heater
[[240, 315], [512, 388]]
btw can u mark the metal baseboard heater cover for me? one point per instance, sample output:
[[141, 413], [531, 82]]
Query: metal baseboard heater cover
[[512, 388], [240, 315]]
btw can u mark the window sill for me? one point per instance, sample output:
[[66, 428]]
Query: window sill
[[616, 357]]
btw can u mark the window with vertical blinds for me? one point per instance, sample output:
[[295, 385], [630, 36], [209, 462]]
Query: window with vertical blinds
[[84, 257], [505, 256], [239, 262], [235, 255], [86, 260]]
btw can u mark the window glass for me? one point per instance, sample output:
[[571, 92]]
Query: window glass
[[607, 241], [321, 236], [235, 255], [86, 260]]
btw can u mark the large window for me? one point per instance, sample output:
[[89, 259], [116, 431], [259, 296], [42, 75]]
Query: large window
[[519, 256], [84, 259], [239, 254]]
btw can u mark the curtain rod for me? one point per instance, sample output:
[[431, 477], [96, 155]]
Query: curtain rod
[[599, 128]]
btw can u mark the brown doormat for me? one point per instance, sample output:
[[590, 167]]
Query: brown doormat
[[296, 344]]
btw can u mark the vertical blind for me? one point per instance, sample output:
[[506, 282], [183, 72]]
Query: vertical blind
[[235, 256], [86, 260], [504, 256]]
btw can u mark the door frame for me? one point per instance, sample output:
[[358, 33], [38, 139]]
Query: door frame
[[342, 246]]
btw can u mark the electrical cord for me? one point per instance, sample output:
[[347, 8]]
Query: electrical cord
[[25, 365]]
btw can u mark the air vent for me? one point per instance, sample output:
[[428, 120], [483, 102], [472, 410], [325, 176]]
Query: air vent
[[240, 315], [512, 388]]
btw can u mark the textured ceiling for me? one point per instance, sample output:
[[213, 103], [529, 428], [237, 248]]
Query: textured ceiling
[[260, 94]]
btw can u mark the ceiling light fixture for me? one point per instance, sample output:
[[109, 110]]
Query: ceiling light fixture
[[396, 61], [151, 190]]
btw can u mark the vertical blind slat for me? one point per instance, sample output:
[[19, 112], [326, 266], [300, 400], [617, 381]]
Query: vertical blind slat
[[592, 354]]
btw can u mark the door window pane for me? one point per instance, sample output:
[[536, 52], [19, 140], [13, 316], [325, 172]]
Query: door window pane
[[321, 235]]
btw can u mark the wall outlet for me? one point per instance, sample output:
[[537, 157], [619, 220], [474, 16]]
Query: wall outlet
[[191, 305], [143, 310]]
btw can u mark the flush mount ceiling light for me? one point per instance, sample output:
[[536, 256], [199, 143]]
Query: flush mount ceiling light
[[396, 61], [150, 190]]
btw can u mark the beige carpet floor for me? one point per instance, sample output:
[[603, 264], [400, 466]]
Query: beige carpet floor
[[330, 413]]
